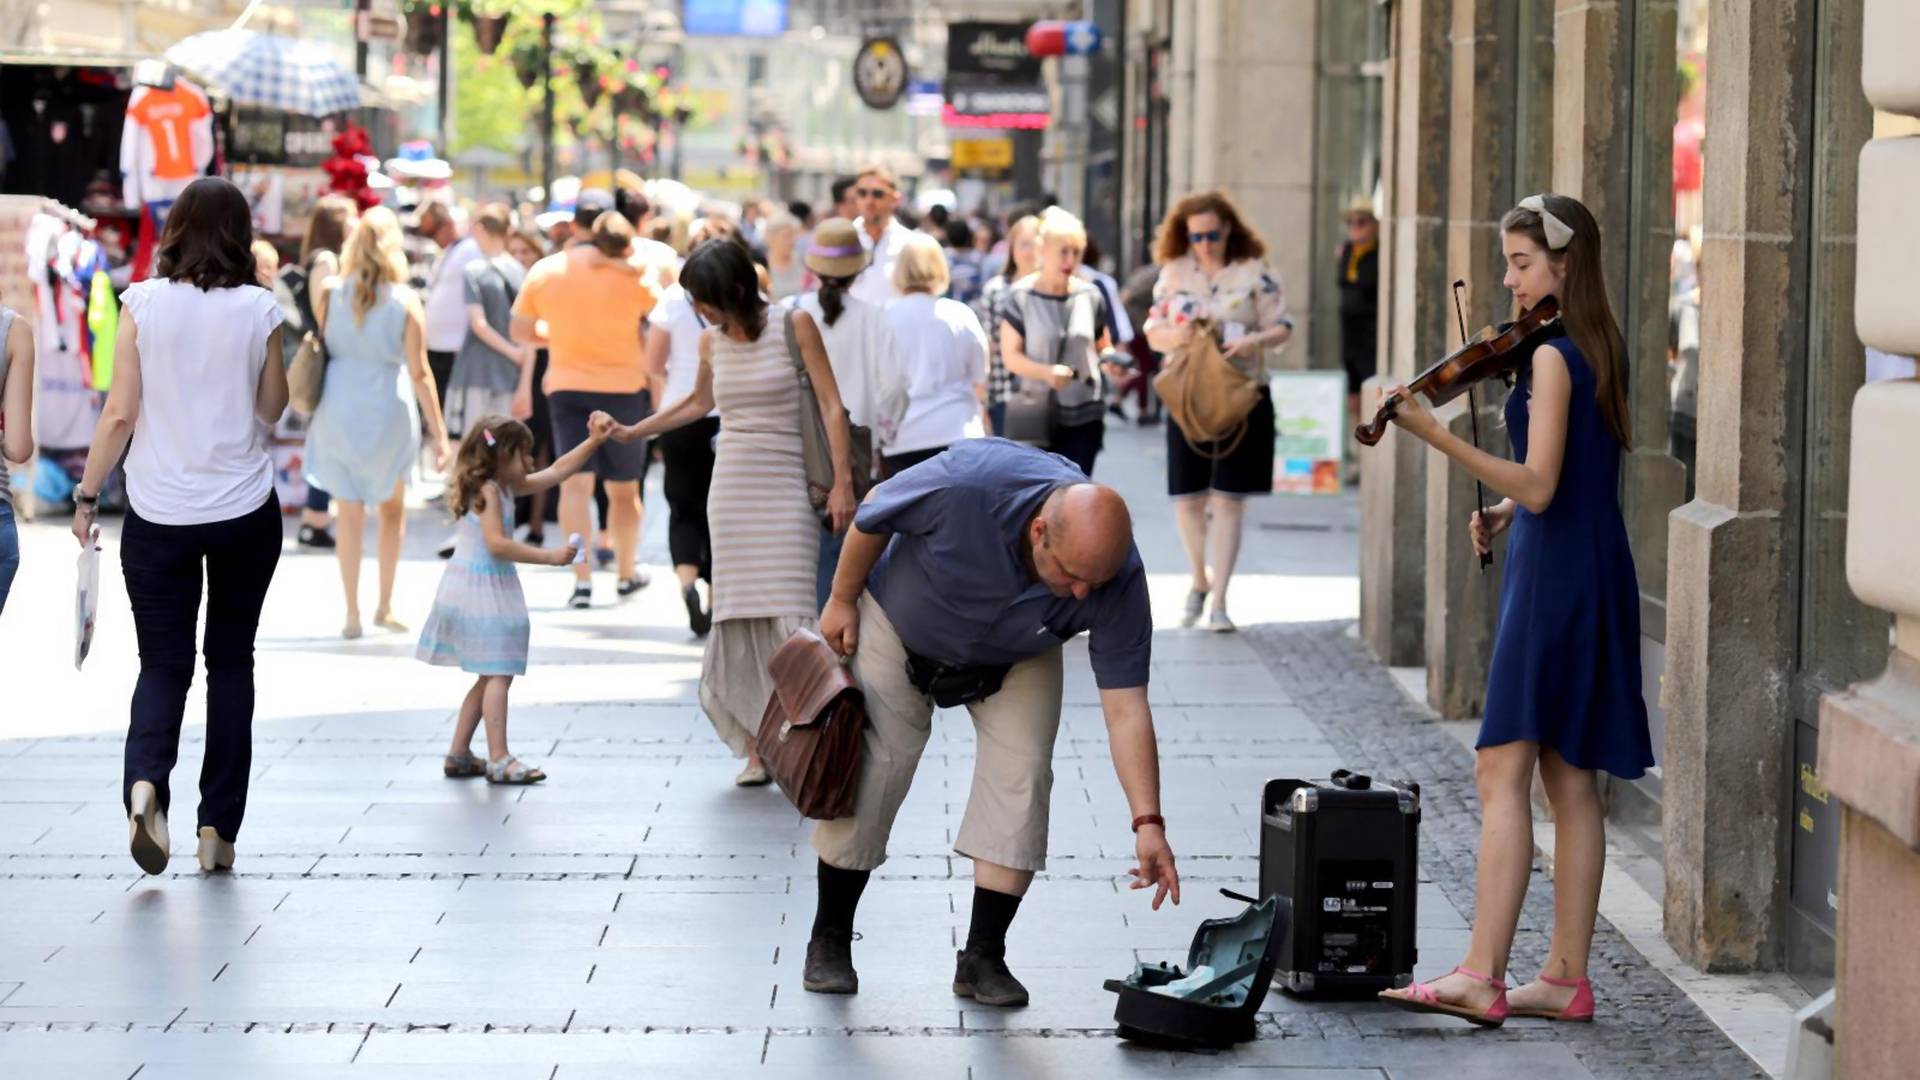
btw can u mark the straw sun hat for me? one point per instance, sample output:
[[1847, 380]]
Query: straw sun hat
[[836, 250]]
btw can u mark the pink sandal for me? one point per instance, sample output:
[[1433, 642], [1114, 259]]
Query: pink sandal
[[1578, 1011], [1421, 998]]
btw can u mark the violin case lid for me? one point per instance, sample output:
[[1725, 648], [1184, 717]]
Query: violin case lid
[[1214, 1001]]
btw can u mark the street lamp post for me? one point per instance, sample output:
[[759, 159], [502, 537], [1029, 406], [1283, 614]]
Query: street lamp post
[[546, 105]]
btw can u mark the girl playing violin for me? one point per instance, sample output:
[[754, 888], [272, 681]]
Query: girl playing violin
[[1563, 690]]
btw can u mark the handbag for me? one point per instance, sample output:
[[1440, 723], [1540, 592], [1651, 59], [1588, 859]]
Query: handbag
[[1207, 398], [307, 375], [1033, 407], [816, 451], [810, 734]]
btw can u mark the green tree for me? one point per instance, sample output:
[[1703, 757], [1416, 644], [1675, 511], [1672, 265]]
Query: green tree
[[490, 108]]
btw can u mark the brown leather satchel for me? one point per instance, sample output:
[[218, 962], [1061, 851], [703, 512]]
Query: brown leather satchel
[[810, 735], [1207, 397]]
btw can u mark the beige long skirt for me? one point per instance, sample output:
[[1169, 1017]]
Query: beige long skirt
[[734, 684]]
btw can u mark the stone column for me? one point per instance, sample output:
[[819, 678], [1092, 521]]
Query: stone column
[[1732, 594], [1414, 324], [1245, 56], [1870, 735], [1652, 482], [1462, 599]]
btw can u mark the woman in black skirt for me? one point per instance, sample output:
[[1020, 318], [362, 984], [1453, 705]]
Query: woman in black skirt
[[1212, 268]]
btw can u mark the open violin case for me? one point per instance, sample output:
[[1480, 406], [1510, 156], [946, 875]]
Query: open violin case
[[1213, 1003]]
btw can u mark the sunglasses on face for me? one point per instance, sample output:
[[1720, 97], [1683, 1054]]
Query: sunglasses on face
[[1211, 236], [871, 193]]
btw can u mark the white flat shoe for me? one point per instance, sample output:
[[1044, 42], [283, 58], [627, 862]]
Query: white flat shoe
[[753, 776], [1196, 603], [1219, 623], [215, 853], [147, 828]]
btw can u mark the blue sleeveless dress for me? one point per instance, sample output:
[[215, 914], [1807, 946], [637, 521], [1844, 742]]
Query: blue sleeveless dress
[[1566, 652]]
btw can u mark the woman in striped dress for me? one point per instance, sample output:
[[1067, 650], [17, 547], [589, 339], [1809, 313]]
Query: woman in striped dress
[[766, 535]]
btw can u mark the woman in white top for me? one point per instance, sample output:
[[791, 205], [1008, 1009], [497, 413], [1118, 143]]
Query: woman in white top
[[860, 348], [16, 431], [673, 364], [198, 377], [944, 351]]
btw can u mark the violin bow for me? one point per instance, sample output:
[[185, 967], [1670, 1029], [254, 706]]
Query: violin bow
[[1473, 413]]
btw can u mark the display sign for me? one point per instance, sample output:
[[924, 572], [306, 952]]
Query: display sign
[[987, 101], [990, 52], [986, 154], [735, 18], [1310, 433], [272, 137], [1056, 38], [880, 72]]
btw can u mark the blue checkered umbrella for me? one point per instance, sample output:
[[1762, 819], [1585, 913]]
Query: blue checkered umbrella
[[269, 71]]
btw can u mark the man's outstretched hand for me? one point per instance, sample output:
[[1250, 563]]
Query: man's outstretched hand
[[1156, 865]]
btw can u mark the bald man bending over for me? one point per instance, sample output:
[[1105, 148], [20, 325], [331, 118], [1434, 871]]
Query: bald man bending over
[[959, 582]]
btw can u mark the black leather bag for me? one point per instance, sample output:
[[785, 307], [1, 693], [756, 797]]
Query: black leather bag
[[950, 686]]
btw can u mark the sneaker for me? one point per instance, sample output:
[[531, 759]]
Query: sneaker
[[699, 619], [829, 967], [986, 980], [603, 556], [1219, 623], [629, 586], [582, 596], [319, 539], [1196, 603]]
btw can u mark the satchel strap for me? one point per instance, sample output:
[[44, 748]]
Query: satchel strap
[[793, 346], [808, 677]]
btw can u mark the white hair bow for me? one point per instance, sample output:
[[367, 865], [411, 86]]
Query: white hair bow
[[1558, 234]]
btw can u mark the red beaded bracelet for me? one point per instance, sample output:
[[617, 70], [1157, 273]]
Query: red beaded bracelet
[[1149, 819]]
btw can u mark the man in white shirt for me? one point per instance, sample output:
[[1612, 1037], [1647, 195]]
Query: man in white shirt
[[876, 194], [446, 289]]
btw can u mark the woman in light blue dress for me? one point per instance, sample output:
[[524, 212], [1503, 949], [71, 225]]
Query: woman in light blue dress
[[365, 434]]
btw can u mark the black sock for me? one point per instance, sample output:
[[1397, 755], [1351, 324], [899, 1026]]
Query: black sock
[[992, 913], [839, 895]]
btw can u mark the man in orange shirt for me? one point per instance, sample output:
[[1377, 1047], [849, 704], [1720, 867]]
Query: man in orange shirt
[[593, 307]]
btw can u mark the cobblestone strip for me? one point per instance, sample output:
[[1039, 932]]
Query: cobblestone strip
[[1647, 1027]]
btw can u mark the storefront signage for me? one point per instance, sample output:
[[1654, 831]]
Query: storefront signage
[[990, 52], [272, 137], [986, 101], [983, 154]]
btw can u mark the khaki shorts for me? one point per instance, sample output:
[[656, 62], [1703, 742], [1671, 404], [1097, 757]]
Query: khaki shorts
[[1006, 817]]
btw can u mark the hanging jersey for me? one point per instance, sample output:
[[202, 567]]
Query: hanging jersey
[[167, 141]]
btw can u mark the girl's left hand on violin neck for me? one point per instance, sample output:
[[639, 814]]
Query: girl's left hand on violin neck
[[1411, 414]]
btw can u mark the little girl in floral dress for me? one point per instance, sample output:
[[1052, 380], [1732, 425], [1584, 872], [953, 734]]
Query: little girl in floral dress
[[479, 621]]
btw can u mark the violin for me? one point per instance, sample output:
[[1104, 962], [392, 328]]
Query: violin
[[1494, 351]]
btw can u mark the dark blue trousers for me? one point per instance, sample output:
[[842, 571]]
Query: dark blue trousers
[[165, 566]]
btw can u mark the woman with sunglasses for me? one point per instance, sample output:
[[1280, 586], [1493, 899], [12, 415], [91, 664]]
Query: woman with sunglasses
[[1212, 269]]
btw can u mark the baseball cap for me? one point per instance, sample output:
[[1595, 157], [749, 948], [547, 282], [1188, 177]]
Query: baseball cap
[[591, 204]]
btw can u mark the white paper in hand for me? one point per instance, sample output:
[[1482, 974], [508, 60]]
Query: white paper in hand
[[86, 598]]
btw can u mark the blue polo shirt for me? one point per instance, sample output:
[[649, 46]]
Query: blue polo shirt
[[953, 580]]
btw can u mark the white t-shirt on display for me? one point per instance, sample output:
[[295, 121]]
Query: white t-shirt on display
[[944, 352], [674, 314], [447, 297], [199, 454]]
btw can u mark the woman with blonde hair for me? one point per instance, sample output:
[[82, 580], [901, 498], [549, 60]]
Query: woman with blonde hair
[[1213, 273], [1054, 332], [366, 432], [332, 219], [943, 352]]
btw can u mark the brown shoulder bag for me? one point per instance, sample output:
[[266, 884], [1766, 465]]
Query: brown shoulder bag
[[810, 735], [1206, 396]]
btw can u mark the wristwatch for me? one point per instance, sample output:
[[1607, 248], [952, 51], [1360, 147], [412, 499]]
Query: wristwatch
[[1149, 819], [83, 499]]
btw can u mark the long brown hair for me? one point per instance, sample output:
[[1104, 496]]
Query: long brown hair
[[479, 458], [1583, 303], [333, 218], [1170, 242]]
